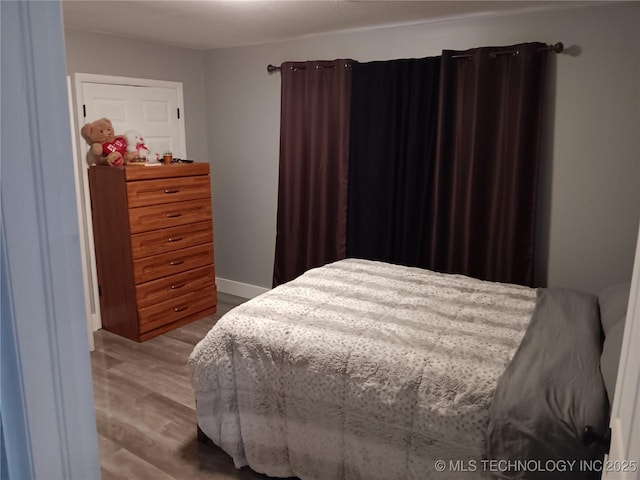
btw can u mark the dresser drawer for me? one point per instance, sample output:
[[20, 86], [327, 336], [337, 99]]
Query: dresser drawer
[[170, 239], [167, 190], [149, 268], [133, 173], [160, 314], [153, 217], [167, 288]]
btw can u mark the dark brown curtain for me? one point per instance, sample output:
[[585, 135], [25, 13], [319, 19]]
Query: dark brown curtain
[[394, 109], [485, 195], [314, 149]]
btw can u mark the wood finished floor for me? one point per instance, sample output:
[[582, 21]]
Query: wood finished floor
[[144, 407]]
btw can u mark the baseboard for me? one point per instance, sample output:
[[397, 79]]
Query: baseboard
[[239, 289]]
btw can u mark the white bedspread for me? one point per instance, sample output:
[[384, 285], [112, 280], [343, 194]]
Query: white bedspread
[[359, 370]]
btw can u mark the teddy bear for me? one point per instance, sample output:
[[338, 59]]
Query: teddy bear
[[136, 146], [106, 147]]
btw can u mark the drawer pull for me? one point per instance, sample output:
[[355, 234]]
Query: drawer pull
[[176, 239], [175, 287], [172, 190], [181, 308], [176, 262], [173, 215]]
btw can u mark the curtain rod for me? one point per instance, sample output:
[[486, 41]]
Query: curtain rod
[[272, 68], [557, 47]]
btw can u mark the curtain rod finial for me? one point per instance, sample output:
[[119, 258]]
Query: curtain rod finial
[[272, 68], [557, 47]]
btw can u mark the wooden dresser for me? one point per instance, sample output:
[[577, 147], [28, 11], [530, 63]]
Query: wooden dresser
[[154, 247]]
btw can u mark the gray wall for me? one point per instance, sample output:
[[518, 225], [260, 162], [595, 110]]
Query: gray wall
[[591, 184]]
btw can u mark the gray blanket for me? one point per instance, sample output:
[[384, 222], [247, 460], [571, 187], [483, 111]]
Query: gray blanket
[[360, 370], [550, 392]]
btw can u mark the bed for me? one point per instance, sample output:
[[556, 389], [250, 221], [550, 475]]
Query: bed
[[367, 370]]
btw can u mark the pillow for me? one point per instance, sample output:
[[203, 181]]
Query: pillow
[[613, 310], [611, 358], [613, 305]]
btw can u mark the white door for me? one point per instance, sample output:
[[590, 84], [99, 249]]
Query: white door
[[152, 111], [152, 107]]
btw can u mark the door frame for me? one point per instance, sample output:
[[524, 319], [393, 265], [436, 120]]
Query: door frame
[[77, 173], [92, 298], [622, 462]]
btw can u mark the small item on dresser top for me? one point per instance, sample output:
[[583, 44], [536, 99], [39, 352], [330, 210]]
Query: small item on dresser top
[[167, 158], [182, 160], [136, 148]]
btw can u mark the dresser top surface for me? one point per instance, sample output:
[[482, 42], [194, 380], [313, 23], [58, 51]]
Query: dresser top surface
[[148, 172]]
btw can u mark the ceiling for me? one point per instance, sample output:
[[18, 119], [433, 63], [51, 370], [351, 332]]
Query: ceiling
[[211, 24]]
